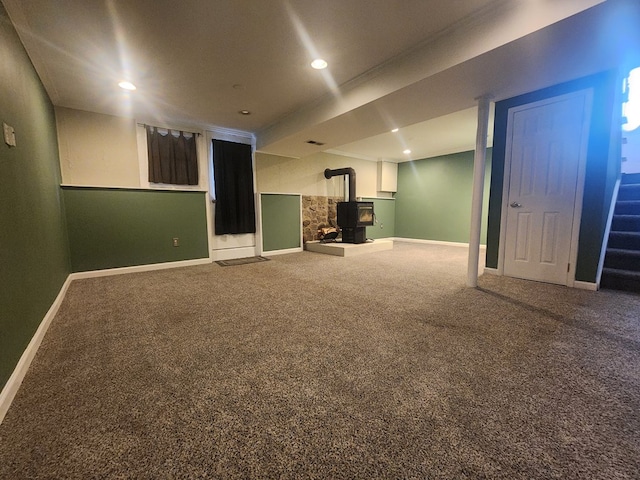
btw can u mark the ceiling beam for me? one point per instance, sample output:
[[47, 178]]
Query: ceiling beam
[[502, 22]]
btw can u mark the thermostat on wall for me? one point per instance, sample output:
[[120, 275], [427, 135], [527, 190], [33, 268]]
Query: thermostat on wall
[[9, 135]]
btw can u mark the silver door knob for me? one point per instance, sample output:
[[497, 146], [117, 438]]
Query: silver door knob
[[516, 205]]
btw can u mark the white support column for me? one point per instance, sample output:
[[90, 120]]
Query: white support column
[[479, 160]]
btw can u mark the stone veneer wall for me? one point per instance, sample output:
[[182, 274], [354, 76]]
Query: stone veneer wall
[[318, 211]]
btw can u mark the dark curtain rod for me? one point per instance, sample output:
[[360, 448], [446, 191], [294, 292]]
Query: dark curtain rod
[[145, 125]]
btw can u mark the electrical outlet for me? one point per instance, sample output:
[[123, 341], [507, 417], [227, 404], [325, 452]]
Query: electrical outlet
[[176, 242]]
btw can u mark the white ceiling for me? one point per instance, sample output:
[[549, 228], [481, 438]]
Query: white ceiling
[[414, 64]]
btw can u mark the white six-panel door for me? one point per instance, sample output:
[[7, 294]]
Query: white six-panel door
[[546, 149]]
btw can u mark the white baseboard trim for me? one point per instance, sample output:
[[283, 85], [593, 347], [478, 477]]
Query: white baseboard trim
[[577, 284], [586, 286], [138, 268], [231, 253], [433, 242], [15, 380], [282, 252], [430, 242]]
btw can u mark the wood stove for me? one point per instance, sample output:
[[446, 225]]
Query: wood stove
[[353, 217]]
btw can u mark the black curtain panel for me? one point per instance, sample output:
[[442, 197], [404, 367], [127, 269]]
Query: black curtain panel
[[233, 178], [172, 159]]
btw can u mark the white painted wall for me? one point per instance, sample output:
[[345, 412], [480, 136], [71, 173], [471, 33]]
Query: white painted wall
[[102, 150], [278, 174], [97, 150], [631, 151]]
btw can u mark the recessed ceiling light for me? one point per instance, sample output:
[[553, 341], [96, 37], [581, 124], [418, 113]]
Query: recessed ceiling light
[[395, 130], [406, 152], [127, 85], [244, 112], [319, 64]]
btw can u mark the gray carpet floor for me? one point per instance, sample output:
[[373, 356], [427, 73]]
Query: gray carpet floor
[[311, 366]]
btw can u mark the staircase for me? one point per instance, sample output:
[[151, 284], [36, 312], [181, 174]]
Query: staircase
[[622, 260]]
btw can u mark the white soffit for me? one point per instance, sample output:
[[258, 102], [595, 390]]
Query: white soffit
[[506, 21]]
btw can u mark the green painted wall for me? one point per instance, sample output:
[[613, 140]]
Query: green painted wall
[[434, 198], [602, 168], [111, 228], [385, 211], [34, 259], [281, 228]]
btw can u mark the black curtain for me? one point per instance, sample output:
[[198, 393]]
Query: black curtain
[[233, 178], [172, 159]]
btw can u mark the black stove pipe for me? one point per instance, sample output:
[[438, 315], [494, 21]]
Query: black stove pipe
[[328, 173]]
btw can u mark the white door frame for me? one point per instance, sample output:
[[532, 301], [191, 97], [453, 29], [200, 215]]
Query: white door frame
[[231, 246], [582, 163]]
